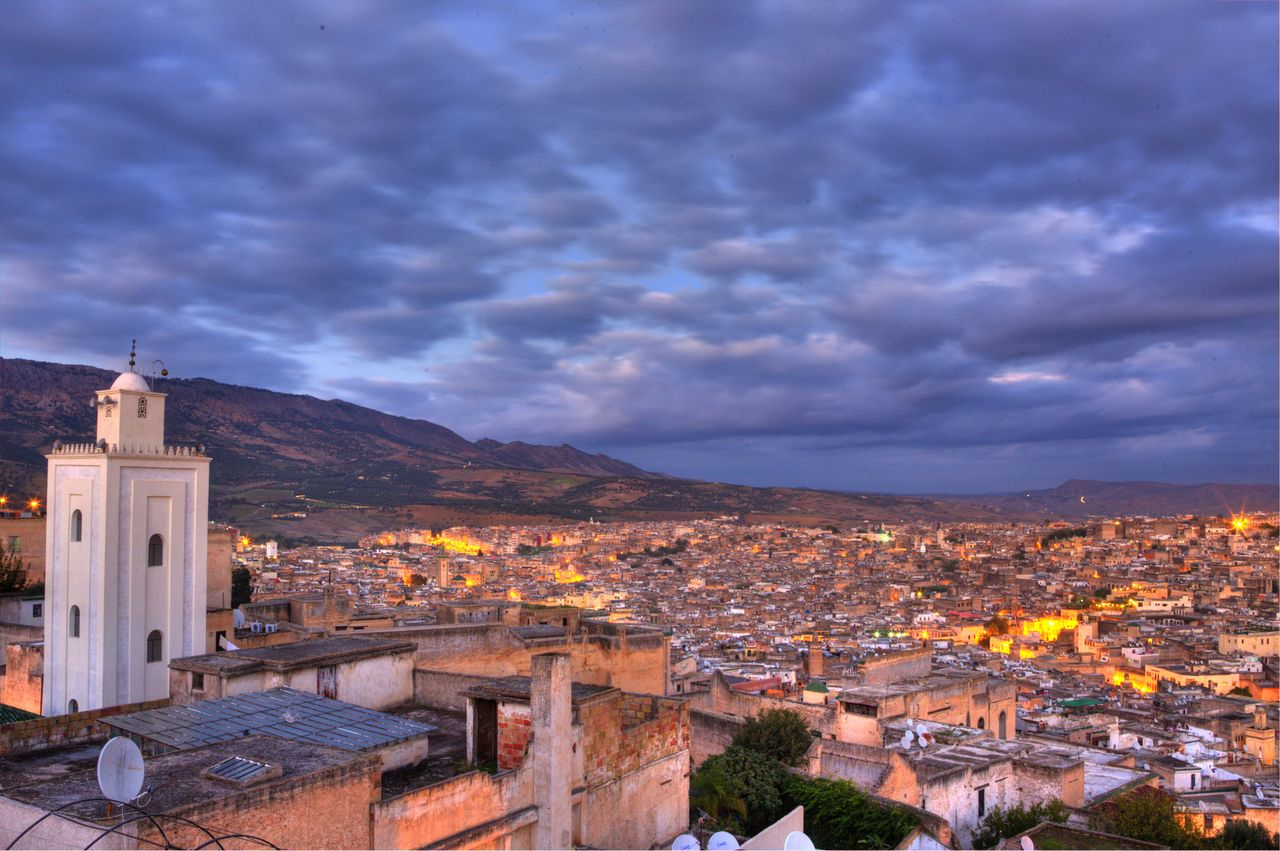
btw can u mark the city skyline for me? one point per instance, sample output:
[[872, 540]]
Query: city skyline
[[946, 247]]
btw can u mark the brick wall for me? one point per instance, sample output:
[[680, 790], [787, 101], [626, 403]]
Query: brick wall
[[60, 730], [515, 728]]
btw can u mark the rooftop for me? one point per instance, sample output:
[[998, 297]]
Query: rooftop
[[283, 712], [517, 688], [298, 654]]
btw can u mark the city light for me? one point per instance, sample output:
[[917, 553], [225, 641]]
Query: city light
[[1240, 523], [34, 504]]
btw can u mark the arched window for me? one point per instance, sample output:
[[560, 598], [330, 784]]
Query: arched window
[[982, 723], [72, 707], [76, 522], [74, 625], [1002, 726], [155, 646], [155, 551]]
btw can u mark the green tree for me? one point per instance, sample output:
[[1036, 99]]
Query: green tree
[[1147, 814], [781, 734], [1001, 823], [718, 794], [839, 815], [13, 573], [759, 778], [997, 625], [1246, 834], [241, 587]]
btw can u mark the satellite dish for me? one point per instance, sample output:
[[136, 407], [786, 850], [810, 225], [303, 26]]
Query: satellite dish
[[120, 770], [1027, 844], [722, 839], [906, 739], [798, 840], [685, 842], [237, 618]]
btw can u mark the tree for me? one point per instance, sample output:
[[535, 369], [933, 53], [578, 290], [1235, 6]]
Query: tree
[[781, 734], [1246, 834], [1147, 814], [241, 587], [13, 573], [839, 815], [758, 780], [997, 625], [717, 794], [1002, 823]]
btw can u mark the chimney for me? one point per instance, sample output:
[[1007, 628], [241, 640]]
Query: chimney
[[551, 704]]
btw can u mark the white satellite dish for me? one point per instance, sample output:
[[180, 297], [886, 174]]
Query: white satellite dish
[[798, 840], [1027, 844], [685, 842], [237, 617], [722, 839], [906, 739], [120, 770]]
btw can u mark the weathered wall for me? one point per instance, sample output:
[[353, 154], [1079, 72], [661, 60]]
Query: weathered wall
[[455, 806], [443, 689], [602, 654], [53, 832], [710, 733], [638, 808], [24, 676], [514, 731], [721, 699], [221, 544], [328, 809], [890, 668], [29, 544]]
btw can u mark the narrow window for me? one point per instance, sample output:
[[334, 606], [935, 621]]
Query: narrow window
[[197, 681], [155, 551], [74, 628], [76, 521], [155, 646], [37, 610], [982, 802], [142, 407], [1002, 725], [72, 707], [982, 723]]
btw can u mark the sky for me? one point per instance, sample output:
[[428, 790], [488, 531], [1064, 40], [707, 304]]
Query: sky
[[911, 247]]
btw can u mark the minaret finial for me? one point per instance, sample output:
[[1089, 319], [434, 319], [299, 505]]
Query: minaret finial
[[133, 351]]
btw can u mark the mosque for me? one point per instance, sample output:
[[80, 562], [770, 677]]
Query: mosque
[[126, 555]]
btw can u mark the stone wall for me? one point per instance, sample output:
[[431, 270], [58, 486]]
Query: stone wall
[[612, 749], [710, 733], [62, 730], [11, 633], [639, 808], [443, 689], [889, 668], [29, 532]]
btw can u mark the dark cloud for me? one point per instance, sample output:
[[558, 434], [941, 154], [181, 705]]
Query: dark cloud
[[951, 245]]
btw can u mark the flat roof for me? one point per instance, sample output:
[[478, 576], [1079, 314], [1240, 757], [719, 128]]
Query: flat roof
[[179, 783], [295, 654], [282, 712]]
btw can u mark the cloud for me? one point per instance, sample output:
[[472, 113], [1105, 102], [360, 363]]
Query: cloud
[[857, 245]]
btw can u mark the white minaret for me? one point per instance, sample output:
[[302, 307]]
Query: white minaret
[[126, 548]]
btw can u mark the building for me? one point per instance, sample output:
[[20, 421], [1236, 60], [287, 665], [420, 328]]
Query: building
[[125, 548]]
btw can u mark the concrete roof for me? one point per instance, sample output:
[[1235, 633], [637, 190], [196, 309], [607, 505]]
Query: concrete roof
[[177, 776]]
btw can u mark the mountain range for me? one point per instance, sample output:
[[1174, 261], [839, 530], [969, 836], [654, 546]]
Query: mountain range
[[302, 468]]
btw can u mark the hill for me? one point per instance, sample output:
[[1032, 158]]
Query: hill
[[1082, 498]]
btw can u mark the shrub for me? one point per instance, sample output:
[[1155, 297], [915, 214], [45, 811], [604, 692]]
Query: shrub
[[782, 734]]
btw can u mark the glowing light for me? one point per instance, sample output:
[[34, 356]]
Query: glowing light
[[244, 541], [463, 546], [1240, 523], [34, 505], [514, 595], [472, 581], [4, 500], [568, 575]]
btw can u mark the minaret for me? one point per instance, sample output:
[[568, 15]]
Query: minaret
[[126, 547]]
